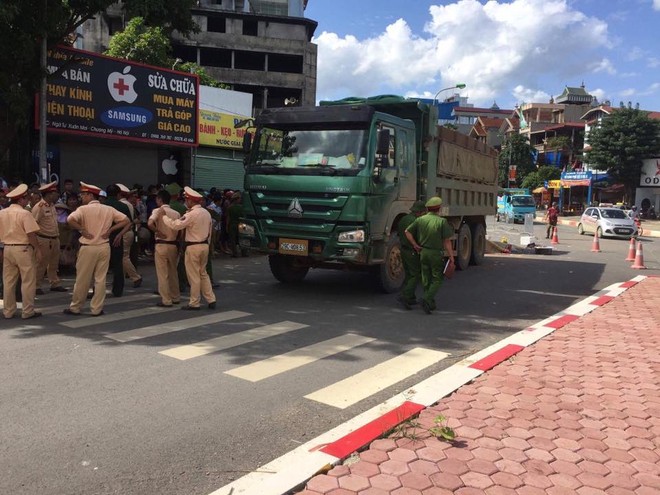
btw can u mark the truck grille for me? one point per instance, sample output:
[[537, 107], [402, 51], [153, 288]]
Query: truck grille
[[319, 211]]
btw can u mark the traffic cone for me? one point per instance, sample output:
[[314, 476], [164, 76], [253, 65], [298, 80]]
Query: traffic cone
[[639, 258], [555, 239], [595, 247], [631, 250]]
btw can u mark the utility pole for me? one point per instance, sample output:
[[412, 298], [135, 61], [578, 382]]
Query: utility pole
[[43, 162]]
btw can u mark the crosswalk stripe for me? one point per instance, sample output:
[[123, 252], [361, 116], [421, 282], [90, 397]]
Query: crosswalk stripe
[[80, 322], [298, 357], [204, 347], [174, 326], [109, 301], [353, 389]]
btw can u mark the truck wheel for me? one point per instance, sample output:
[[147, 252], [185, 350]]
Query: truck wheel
[[463, 247], [478, 244], [390, 275], [286, 269]]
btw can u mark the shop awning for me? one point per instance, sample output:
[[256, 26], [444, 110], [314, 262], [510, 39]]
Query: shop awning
[[573, 183], [540, 190]]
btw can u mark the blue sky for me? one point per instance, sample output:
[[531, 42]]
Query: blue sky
[[516, 51]]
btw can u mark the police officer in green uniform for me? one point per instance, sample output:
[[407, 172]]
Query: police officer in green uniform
[[430, 236], [409, 257]]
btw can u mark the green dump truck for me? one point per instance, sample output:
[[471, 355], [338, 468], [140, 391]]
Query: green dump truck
[[325, 186]]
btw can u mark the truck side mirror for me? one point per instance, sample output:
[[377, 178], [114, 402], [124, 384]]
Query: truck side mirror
[[247, 142]]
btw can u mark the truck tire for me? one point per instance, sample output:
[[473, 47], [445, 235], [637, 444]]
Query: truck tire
[[478, 244], [463, 247], [285, 269], [389, 276]]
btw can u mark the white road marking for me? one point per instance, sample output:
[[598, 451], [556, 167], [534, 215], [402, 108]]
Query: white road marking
[[174, 326], [204, 347], [80, 321], [298, 357], [109, 301], [353, 389]]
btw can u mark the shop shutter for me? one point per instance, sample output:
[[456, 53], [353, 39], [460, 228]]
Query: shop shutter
[[217, 168]]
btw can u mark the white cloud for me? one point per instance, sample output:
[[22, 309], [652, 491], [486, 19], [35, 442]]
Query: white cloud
[[653, 62], [603, 65], [492, 47], [656, 4], [528, 95]]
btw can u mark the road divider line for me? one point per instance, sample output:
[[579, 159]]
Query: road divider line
[[174, 326], [353, 389], [223, 342], [275, 365]]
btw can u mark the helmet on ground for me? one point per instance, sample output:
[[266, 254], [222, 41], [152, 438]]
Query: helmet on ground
[[434, 203]]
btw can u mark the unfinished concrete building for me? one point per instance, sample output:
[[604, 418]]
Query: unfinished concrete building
[[258, 47], [262, 47]]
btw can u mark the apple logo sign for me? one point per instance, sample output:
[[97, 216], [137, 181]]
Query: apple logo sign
[[169, 165], [120, 86]]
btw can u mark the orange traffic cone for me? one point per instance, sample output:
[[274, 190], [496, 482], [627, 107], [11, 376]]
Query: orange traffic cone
[[555, 239], [631, 250], [639, 258], [595, 247]]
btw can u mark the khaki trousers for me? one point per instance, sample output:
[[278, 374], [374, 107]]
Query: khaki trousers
[[196, 257], [165, 260], [92, 263], [129, 268], [50, 260], [19, 260]]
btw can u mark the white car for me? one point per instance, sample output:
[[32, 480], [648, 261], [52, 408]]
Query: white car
[[608, 222]]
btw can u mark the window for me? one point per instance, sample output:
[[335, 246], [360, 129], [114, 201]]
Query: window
[[250, 27], [216, 25]]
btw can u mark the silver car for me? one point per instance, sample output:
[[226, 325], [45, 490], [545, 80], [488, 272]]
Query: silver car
[[608, 222]]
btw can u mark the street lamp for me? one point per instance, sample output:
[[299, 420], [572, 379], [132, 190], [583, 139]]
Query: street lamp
[[458, 86]]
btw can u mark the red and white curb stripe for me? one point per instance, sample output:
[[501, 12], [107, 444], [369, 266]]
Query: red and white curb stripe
[[293, 469]]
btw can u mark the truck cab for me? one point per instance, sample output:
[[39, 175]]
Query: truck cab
[[514, 204]]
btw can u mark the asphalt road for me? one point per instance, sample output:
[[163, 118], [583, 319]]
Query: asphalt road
[[85, 413]]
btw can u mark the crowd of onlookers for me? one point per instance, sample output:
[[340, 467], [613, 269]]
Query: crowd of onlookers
[[224, 205]]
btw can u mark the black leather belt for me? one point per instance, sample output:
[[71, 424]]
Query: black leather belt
[[197, 242], [18, 244], [173, 243], [48, 236]]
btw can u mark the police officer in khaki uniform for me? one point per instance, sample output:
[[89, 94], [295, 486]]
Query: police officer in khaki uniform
[[197, 224], [95, 222], [49, 237], [430, 235], [166, 252], [18, 232], [129, 237]]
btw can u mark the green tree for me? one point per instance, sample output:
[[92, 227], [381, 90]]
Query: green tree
[[537, 178], [151, 45], [620, 144], [146, 44], [517, 151]]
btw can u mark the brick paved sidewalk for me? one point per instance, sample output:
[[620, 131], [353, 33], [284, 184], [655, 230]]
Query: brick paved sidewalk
[[576, 413]]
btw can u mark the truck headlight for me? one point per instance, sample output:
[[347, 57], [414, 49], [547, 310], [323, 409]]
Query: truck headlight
[[352, 236], [246, 229]]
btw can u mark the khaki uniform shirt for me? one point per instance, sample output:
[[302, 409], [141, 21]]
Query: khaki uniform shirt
[[15, 225], [163, 232], [96, 219], [46, 216], [197, 222]]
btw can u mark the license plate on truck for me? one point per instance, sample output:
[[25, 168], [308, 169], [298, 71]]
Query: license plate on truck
[[295, 247]]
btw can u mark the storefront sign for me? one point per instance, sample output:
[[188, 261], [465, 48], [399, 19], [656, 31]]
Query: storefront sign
[[555, 184], [570, 179], [217, 129], [650, 173], [113, 98]]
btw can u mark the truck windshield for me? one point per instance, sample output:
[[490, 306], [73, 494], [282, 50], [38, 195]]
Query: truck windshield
[[309, 152], [522, 201]]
